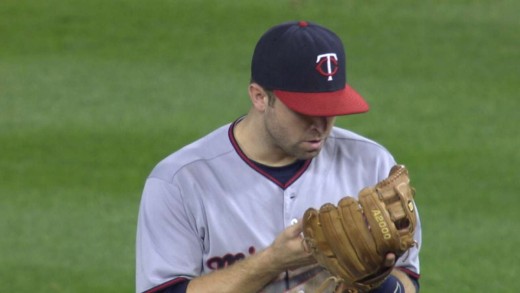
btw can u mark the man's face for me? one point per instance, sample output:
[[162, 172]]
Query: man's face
[[298, 136]]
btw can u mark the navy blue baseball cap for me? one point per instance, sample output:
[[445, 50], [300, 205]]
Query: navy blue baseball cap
[[304, 65]]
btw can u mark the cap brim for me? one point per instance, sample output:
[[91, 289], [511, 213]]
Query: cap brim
[[343, 102]]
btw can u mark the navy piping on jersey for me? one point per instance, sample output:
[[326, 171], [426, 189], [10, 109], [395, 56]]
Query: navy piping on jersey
[[257, 168], [410, 273], [170, 285]]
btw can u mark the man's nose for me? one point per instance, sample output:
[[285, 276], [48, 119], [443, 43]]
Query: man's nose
[[320, 122]]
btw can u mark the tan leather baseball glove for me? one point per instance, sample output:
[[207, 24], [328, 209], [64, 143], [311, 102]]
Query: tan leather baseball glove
[[351, 240]]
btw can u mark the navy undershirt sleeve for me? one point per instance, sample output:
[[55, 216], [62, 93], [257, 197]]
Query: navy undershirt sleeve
[[390, 285], [393, 285]]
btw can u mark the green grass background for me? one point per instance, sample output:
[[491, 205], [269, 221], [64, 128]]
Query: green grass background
[[94, 93]]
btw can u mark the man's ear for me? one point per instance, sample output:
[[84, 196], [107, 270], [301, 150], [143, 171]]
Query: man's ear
[[258, 97]]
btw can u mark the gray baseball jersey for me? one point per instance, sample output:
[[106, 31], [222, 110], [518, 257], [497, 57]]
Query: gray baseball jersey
[[207, 205]]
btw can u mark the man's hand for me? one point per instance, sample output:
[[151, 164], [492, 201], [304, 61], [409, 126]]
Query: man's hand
[[288, 251], [253, 273]]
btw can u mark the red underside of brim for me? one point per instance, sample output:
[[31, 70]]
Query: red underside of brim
[[343, 102]]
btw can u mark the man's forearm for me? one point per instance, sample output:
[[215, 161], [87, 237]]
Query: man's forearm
[[248, 275]]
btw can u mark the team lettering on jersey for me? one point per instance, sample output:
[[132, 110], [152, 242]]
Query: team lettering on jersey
[[220, 262]]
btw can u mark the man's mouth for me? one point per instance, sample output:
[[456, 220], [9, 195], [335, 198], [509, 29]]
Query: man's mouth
[[315, 143]]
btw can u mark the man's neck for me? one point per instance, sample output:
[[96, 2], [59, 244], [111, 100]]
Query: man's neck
[[253, 140]]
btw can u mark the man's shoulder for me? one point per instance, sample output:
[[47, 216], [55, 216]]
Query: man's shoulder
[[346, 143], [365, 160], [206, 148], [347, 137]]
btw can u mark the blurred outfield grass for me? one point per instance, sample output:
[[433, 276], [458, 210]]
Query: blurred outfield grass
[[94, 93]]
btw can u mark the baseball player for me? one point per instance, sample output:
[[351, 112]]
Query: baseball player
[[223, 214]]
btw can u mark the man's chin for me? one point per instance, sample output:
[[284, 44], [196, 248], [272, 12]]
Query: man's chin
[[309, 154]]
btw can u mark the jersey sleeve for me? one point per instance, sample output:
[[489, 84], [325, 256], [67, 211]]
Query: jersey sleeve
[[167, 242]]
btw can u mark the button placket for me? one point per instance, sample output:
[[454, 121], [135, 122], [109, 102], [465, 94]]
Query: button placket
[[289, 196]]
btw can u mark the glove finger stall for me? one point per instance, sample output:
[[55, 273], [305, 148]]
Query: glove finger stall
[[316, 241], [356, 224], [339, 242]]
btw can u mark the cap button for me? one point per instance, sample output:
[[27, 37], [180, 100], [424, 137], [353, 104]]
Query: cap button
[[303, 23]]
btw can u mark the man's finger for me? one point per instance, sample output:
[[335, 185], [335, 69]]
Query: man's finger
[[390, 260]]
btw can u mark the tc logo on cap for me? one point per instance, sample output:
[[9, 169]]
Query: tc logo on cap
[[331, 62]]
